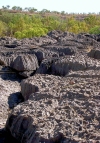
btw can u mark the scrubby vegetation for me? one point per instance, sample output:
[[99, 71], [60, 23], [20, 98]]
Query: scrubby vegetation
[[30, 23]]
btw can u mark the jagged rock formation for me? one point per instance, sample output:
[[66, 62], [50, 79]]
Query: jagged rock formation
[[56, 109], [63, 65], [55, 44], [25, 63]]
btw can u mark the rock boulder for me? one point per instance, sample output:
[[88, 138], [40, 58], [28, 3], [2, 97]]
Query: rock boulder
[[25, 63]]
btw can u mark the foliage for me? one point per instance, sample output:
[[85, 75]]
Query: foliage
[[95, 30], [76, 26], [31, 32], [2, 28], [21, 25]]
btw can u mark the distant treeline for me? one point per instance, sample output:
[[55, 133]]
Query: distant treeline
[[23, 25]]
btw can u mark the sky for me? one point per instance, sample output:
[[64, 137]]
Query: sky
[[70, 6]]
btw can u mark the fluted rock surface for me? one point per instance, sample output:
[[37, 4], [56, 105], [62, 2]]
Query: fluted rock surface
[[25, 63]]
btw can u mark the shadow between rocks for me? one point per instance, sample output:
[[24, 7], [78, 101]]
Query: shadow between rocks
[[14, 99], [5, 137]]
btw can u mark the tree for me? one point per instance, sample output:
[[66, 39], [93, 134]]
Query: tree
[[8, 6], [45, 11], [3, 7], [32, 9], [14, 7], [26, 9], [55, 12], [62, 12], [17, 8]]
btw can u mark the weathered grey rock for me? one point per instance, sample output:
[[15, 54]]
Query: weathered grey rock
[[9, 97], [94, 53], [7, 60], [45, 40], [37, 83], [92, 36], [7, 41], [28, 87], [40, 54], [75, 63], [64, 65], [56, 34], [71, 42], [81, 41], [38, 41], [26, 74], [25, 63], [84, 74], [62, 50], [62, 109], [45, 66], [85, 39], [58, 109], [45, 54]]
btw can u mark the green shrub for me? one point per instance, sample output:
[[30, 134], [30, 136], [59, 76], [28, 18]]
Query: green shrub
[[95, 30], [18, 35], [21, 25], [3, 28], [32, 32]]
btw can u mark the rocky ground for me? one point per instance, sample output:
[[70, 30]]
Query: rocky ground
[[58, 78]]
